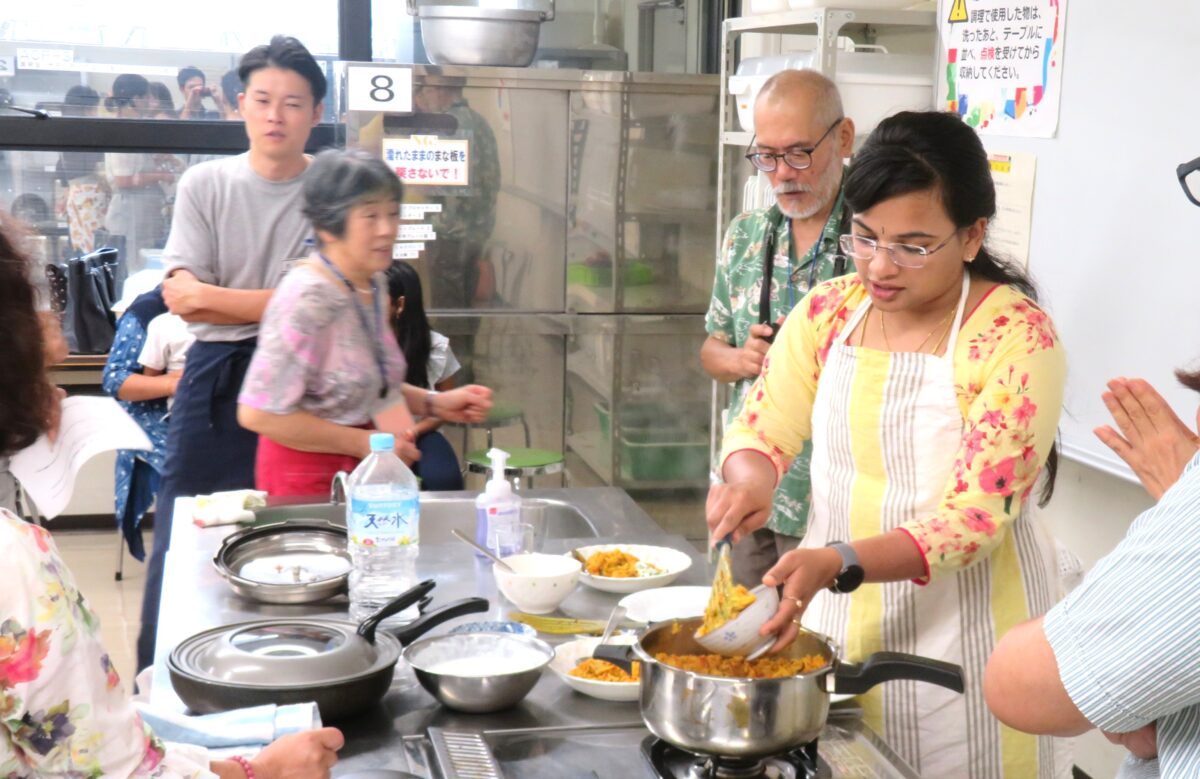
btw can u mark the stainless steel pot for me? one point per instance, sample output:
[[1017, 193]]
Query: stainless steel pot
[[470, 35], [755, 718], [286, 562], [343, 666]]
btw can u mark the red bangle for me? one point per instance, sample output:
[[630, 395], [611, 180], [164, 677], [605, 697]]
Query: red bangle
[[245, 764]]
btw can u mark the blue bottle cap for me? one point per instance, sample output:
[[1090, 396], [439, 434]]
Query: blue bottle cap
[[382, 442]]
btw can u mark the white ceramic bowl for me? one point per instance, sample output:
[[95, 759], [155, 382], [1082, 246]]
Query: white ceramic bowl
[[672, 562], [541, 581], [663, 603], [739, 636], [567, 655]]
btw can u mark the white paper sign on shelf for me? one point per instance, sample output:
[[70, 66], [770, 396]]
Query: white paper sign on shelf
[[411, 211], [418, 232], [379, 89], [427, 160], [44, 59], [407, 251], [90, 425]]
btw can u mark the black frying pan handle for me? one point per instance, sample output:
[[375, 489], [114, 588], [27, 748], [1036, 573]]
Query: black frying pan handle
[[430, 619], [620, 655], [366, 628], [857, 678]]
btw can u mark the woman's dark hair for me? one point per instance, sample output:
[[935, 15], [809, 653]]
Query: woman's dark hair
[[1189, 379], [339, 179], [125, 89], [412, 326], [25, 394], [80, 100], [288, 53], [920, 151], [189, 72], [162, 93]]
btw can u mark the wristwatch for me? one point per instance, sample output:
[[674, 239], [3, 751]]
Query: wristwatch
[[851, 575]]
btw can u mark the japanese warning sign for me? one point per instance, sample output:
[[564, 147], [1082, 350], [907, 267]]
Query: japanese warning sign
[[427, 160], [1001, 64]]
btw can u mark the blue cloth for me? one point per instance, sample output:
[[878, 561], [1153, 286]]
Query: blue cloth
[[255, 726], [1127, 639], [137, 473], [207, 451], [438, 467]]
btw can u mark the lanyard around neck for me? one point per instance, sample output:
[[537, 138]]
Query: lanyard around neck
[[374, 337]]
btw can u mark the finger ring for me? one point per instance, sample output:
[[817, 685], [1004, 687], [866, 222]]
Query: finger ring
[[798, 601], [796, 622]]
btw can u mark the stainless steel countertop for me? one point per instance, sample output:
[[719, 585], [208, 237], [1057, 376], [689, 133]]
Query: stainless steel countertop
[[195, 598]]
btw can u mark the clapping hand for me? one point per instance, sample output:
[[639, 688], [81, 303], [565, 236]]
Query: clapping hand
[[1155, 443]]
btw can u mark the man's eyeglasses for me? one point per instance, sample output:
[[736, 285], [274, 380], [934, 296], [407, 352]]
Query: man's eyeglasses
[[906, 255], [1189, 179], [796, 158]]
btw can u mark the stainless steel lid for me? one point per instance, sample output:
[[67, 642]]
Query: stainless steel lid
[[286, 562], [283, 652]]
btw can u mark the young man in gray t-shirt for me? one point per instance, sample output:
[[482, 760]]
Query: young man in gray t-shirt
[[236, 222]]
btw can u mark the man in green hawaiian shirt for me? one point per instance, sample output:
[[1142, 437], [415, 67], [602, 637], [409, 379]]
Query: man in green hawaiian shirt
[[801, 139]]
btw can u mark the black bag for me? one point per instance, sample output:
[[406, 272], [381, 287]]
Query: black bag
[[88, 322]]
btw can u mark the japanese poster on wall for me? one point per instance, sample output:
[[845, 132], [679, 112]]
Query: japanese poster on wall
[[427, 160], [1008, 231], [1001, 64]]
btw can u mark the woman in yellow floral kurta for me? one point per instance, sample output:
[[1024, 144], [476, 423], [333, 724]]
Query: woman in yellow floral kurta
[[930, 384]]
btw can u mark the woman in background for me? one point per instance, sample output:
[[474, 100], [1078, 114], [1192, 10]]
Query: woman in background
[[64, 711], [431, 365], [327, 370], [144, 397]]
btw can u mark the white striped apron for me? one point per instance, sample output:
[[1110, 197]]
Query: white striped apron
[[906, 428]]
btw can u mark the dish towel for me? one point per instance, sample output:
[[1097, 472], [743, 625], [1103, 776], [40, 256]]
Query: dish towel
[[227, 508], [246, 729]]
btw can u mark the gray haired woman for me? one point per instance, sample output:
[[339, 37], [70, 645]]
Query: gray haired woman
[[327, 371]]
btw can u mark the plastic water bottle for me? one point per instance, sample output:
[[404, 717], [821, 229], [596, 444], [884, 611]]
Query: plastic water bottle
[[382, 510]]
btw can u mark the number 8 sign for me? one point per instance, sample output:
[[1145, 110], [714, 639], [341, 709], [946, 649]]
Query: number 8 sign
[[379, 89]]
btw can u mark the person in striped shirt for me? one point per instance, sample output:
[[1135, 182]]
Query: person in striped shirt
[[1122, 652]]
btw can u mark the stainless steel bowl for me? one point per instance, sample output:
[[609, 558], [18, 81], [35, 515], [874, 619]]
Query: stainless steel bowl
[[469, 35], [490, 685], [312, 554]]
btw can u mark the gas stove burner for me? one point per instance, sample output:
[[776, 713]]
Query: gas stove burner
[[670, 762]]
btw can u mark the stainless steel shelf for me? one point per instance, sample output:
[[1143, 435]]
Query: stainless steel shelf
[[801, 21]]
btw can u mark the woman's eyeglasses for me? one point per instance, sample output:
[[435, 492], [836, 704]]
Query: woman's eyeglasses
[[906, 255]]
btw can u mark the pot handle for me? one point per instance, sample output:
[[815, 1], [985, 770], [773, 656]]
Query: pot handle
[[620, 655], [366, 628], [430, 619], [547, 16], [857, 678], [412, 7]]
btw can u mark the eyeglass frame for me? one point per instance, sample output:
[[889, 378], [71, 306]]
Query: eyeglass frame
[[1182, 172], [923, 252], [777, 156]]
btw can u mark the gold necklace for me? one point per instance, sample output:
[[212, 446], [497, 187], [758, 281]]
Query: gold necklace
[[939, 325]]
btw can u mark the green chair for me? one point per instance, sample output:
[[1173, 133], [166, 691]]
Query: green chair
[[523, 463]]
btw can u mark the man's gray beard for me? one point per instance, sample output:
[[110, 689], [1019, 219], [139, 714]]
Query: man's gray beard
[[825, 192]]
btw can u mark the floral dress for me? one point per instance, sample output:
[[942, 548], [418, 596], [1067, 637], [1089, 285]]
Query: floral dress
[[63, 710], [137, 473]]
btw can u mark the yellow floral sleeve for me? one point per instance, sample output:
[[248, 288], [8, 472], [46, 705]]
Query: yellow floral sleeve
[[1010, 368], [776, 419]]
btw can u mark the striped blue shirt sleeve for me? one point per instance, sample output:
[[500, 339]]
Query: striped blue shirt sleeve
[[1127, 640]]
